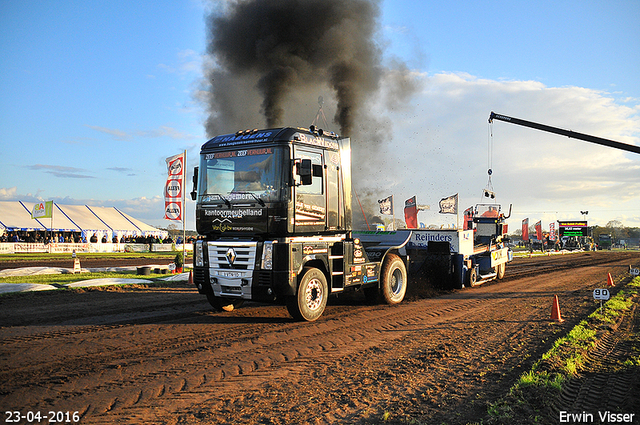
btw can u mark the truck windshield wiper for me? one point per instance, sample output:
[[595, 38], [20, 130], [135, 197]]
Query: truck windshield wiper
[[226, 201], [260, 201]]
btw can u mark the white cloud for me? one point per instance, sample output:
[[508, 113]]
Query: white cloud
[[441, 142], [167, 131], [115, 133], [8, 193]]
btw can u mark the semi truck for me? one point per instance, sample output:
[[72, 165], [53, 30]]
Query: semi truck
[[273, 208], [273, 211]]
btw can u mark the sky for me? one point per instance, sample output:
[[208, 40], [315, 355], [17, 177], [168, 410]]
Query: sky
[[94, 96]]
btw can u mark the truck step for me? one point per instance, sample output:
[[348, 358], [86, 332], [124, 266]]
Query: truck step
[[486, 277], [336, 257], [337, 273]]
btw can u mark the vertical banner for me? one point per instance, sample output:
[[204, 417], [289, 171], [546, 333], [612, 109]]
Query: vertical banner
[[174, 187], [411, 213], [552, 231], [525, 229], [539, 230]]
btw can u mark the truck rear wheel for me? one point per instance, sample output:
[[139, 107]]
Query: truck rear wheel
[[472, 277], [224, 303], [310, 301], [394, 279]]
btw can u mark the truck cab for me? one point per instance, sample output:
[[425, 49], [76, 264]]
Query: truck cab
[[273, 211]]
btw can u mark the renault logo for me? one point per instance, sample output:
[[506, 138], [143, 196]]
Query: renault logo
[[231, 256]]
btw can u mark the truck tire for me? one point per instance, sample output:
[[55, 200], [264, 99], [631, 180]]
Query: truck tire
[[223, 303], [500, 269], [472, 277], [394, 279], [310, 301]]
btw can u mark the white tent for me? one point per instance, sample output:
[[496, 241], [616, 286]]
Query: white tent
[[14, 215], [103, 221]]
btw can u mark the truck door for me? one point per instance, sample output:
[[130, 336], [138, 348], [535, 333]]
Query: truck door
[[310, 204], [332, 160]]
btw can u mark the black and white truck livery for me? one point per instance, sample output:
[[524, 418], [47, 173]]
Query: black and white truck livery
[[274, 214], [273, 211]]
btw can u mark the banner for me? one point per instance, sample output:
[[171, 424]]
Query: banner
[[539, 230], [42, 210], [411, 213], [386, 205], [173, 189], [525, 229], [449, 205], [552, 231]]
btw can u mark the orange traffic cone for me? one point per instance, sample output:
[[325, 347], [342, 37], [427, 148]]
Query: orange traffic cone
[[191, 277], [610, 280], [555, 311]]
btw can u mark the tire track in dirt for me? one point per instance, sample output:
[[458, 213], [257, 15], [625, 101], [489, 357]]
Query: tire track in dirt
[[382, 327], [260, 350], [606, 383], [158, 371]]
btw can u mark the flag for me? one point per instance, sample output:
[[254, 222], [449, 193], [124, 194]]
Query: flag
[[539, 230], [411, 213], [174, 187], [42, 210], [467, 216], [449, 205], [552, 231], [525, 229], [386, 205]]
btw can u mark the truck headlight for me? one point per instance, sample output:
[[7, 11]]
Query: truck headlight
[[198, 254], [267, 256]]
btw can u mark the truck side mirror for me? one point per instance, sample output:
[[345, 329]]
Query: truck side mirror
[[194, 191], [305, 171]]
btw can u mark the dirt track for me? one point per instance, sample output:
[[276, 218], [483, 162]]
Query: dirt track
[[160, 355]]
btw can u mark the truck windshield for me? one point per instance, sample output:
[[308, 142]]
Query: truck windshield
[[242, 175]]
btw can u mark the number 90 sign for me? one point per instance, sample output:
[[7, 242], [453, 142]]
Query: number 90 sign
[[601, 294]]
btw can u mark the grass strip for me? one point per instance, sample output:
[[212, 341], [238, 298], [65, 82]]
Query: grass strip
[[533, 394], [63, 279], [43, 256]]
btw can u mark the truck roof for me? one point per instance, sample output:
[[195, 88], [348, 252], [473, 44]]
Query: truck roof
[[312, 136]]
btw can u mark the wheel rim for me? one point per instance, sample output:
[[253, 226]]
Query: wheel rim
[[313, 294], [397, 282]]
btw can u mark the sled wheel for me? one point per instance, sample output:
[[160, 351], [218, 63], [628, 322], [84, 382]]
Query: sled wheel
[[473, 277]]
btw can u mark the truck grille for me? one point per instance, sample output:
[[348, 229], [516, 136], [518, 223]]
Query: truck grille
[[232, 255]]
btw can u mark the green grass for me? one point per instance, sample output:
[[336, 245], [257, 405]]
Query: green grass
[[63, 279], [536, 389]]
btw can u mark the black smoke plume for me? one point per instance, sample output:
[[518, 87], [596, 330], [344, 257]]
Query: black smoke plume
[[267, 54]]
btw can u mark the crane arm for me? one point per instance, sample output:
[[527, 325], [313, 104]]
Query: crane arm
[[568, 133]]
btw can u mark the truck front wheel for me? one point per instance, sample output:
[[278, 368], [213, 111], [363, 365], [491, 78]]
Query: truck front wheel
[[394, 280], [500, 269], [223, 304], [310, 301]]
